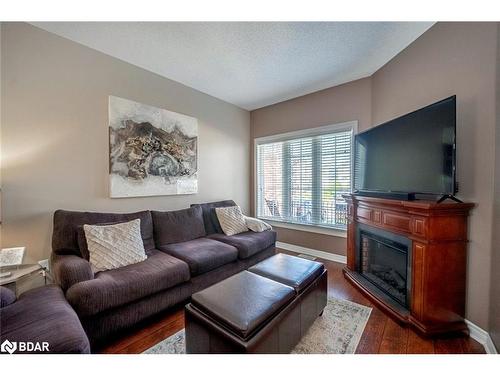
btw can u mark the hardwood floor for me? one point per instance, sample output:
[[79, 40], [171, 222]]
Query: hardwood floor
[[381, 335]]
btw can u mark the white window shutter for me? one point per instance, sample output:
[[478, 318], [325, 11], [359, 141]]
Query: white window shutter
[[302, 180]]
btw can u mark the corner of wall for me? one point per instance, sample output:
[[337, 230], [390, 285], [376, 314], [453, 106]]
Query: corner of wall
[[494, 321]]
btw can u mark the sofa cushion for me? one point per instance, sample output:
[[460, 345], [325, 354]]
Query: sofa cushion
[[210, 217], [203, 254], [248, 243], [123, 285], [178, 226], [43, 314], [66, 224]]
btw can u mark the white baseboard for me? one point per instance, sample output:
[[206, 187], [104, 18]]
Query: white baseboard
[[482, 337], [315, 253]]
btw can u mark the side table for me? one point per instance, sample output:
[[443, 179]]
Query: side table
[[23, 277]]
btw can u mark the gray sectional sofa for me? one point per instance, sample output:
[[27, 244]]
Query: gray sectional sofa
[[187, 252]]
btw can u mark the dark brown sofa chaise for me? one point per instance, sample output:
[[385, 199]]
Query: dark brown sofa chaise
[[186, 251]]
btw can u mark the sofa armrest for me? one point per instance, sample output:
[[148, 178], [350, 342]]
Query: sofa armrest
[[7, 296], [69, 270]]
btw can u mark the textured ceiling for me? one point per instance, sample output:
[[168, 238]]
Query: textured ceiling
[[249, 64]]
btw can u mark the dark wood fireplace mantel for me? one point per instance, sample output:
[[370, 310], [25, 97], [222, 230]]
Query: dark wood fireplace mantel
[[438, 234]]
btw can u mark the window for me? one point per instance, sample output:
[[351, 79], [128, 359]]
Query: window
[[301, 177]]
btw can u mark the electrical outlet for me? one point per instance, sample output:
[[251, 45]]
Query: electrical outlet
[[44, 263]]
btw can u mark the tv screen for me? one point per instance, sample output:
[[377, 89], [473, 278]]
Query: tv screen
[[414, 153]]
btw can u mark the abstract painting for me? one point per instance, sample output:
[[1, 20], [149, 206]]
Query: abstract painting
[[152, 151]]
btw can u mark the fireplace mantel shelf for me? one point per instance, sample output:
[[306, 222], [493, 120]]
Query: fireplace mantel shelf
[[438, 235]]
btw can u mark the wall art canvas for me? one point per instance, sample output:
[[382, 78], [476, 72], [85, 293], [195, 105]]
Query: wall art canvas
[[152, 151]]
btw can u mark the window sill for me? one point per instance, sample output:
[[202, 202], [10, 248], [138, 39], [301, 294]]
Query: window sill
[[308, 228]]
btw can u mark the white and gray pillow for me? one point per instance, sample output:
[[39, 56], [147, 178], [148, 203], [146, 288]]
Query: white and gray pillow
[[256, 225], [114, 246], [231, 220]]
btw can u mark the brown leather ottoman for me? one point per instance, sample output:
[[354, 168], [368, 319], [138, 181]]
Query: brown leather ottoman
[[266, 309]]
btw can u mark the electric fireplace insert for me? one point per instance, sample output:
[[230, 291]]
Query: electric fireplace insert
[[384, 260]]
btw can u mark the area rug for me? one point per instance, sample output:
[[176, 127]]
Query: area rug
[[337, 331]]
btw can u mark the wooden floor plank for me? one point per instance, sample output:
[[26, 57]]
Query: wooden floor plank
[[395, 338], [373, 333], [381, 334], [471, 346], [154, 338], [145, 334], [453, 345], [419, 345]]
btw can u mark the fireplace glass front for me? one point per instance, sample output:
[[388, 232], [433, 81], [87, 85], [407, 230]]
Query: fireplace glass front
[[384, 261]]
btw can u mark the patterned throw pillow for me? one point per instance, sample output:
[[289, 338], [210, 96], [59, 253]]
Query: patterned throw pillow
[[256, 225], [231, 220], [114, 246]]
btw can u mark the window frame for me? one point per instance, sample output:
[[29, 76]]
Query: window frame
[[312, 132]]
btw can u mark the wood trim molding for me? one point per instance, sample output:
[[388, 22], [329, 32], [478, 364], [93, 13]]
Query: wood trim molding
[[482, 337], [316, 253]]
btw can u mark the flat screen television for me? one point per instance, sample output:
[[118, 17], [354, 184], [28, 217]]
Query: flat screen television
[[413, 154]]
